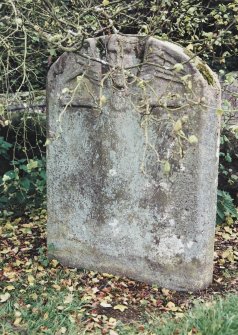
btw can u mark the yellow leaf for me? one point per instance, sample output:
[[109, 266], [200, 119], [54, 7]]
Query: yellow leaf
[[9, 275], [31, 279], [178, 67], [47, 142], [71, 319], [17, 321], [57, 287], [112, 321], [105, 304], [166, 167], [171, 306], [219, 112], [105, 2], [54, 262], [9, 226], [112, 332], [225, 236], [4, 297], [165, 291], [60, 308], [17, 314], [179, 315], [68, 299], [185, 118], [193, 139], [229, 220], [178, 126], [107, 275], [228, 254], [10, 287], [120, 307], [228, 229], [103, 100], [190, 85], [189, 47], [46, 315], [34, 296]]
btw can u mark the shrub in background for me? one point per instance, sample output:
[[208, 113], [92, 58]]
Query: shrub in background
[[23, 172]]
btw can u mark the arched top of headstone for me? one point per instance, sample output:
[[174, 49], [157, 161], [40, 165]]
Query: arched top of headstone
[[165, 71]]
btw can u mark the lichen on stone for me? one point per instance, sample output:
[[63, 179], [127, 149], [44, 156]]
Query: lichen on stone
[[202, 68], [207, 75]]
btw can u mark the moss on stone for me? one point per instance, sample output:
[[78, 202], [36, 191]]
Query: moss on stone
[[206, 73], [202, 68], [188, 53]]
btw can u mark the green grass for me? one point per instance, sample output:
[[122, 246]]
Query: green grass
[[42, 313], [217, 318]]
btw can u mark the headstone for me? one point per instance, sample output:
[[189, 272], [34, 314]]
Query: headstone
[[132, 161]]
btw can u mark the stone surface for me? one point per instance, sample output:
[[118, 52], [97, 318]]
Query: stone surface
[[132, 161]]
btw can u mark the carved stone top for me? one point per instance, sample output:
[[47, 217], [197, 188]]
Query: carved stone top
[[141, 66]]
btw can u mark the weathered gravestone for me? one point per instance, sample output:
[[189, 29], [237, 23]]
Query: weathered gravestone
[[132, 161]]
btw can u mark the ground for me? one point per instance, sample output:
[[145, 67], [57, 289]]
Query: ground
[[42, 297]]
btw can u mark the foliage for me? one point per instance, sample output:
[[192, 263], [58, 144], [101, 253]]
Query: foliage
[[33, 33], [23, 175], [225, 207], [4, 147], [228, 165], [38, 296]]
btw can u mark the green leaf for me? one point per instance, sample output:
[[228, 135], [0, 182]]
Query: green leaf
[[25, 183]]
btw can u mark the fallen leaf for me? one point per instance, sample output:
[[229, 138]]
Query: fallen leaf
[[60, 308], [105, 304], [10, 287], [112, 332], [68, 299], [63, 330], [4, 297], [165, 291], [171, 306], [120, 307], [54, 262], [17, 321], [31, 279], [57, 287], [228, 254]]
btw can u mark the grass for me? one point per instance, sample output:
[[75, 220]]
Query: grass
[[52, 315], [219, 317]]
